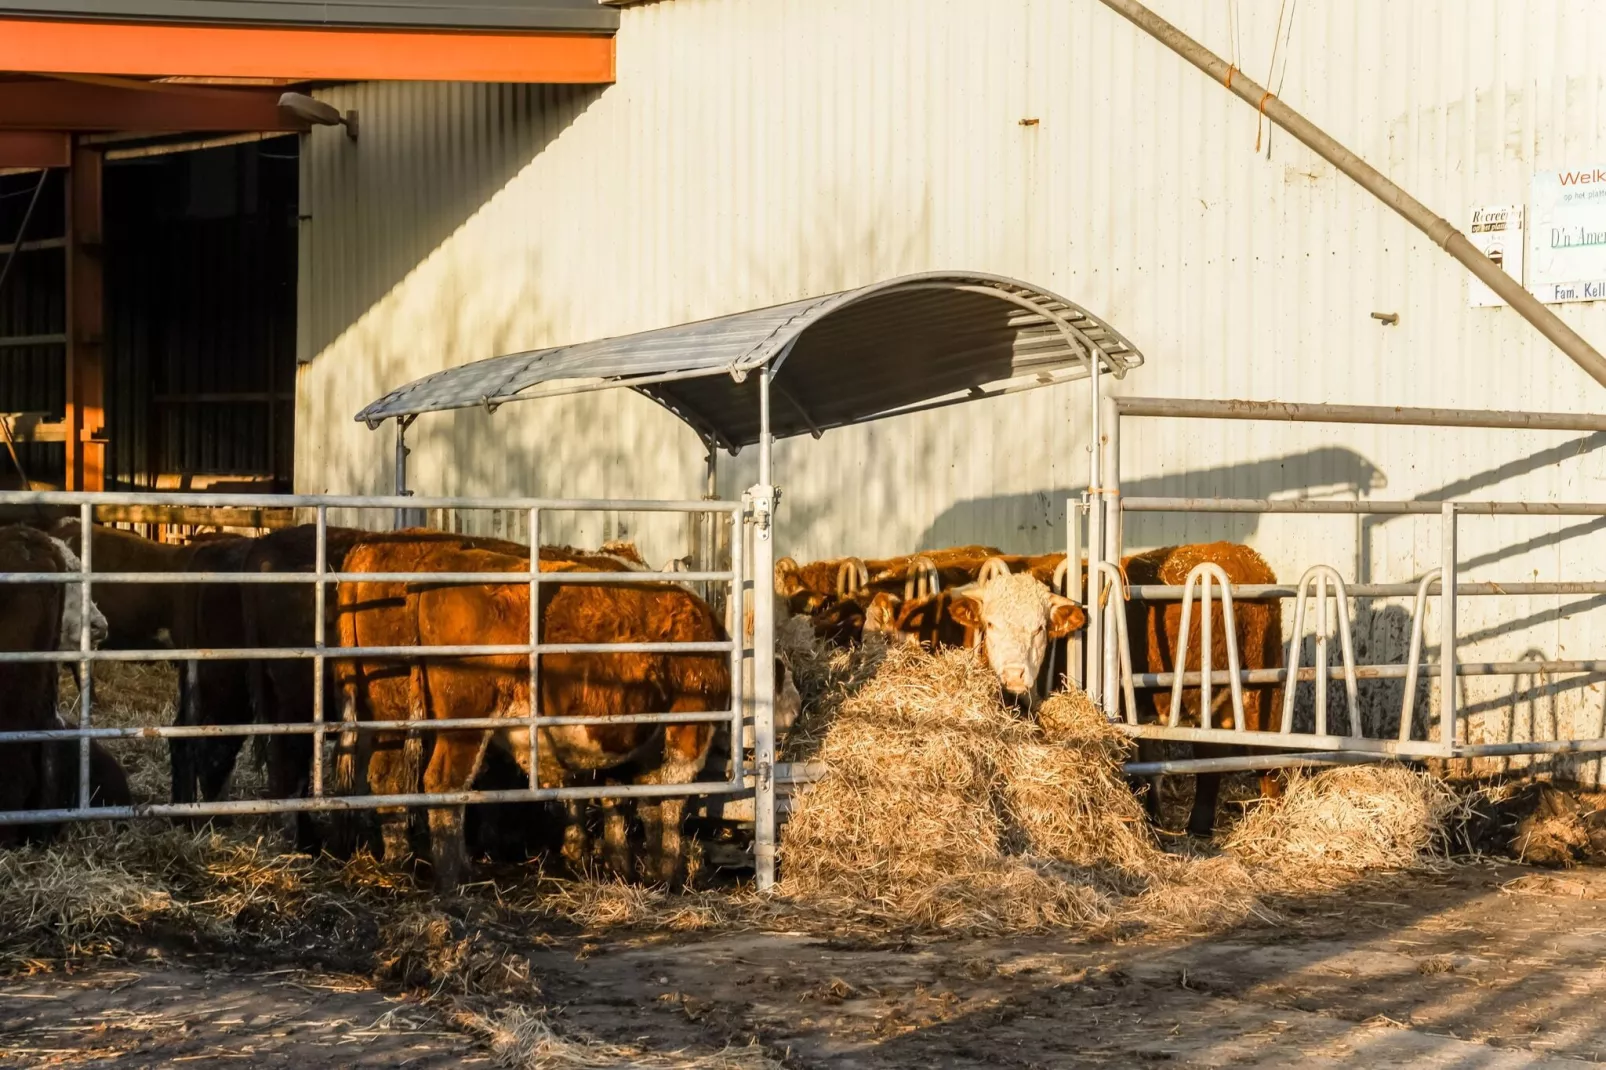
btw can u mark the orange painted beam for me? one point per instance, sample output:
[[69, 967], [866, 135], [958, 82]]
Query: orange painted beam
[[156, 49], [34, 148]]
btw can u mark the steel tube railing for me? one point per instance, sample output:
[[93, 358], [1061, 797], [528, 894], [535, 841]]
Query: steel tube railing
[[357, 501], [1310, 505], [289, 653], [41, 735], [486, 578], [319, 594], [1280, 740], [1251, 592], [1247, 762], [1149, 681], [86, 670], [364, 802]]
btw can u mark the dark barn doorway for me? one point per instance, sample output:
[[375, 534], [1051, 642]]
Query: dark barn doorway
[[200, 282]]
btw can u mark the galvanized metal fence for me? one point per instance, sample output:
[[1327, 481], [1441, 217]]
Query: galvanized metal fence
[[738, 580], [1108, 662]]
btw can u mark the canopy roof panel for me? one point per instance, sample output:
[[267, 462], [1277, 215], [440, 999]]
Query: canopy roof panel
[[911, 343]]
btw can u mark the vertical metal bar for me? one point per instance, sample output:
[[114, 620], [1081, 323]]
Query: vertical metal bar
[[1413, 660], [401, 468], [738, 634], [1095, 588], [1180, 665], [319, 597], [764, 652], [535, 640], [1073, 587], [1447, 629], [86, 685], [1296, 646], [1322, 623], [1110, 479], [1205, 639]]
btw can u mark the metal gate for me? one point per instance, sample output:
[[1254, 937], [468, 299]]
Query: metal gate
[[747, 660], [1111, 682]]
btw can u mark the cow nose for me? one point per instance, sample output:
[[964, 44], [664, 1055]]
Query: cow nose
[[1014, 680]]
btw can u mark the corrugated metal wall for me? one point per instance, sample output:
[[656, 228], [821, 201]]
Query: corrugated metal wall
[[754, 153]]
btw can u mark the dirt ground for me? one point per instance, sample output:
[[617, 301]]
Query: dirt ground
[[1485, 966]]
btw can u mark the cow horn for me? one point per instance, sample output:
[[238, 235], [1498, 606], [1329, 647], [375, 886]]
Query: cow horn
[[851, 577], [991, 569], [924, 579], [1062, 572]]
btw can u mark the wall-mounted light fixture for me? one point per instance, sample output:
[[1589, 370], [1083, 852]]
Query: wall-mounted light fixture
[[318, 113]]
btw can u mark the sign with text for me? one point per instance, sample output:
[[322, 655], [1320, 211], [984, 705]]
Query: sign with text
[[1567, 236], [1496, 232]]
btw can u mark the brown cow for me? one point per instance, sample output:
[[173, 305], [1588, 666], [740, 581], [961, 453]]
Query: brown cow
[[809, 589], [283, 615], [209, 616], [379, 614], [138, 615], [41, 617], [1153, 633], [583, 685], [1152, 630]]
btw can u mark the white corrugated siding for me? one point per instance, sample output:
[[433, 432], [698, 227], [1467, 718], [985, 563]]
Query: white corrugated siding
[[753, 153]]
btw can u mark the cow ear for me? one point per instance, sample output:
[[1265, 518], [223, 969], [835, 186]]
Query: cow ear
[[788, 578], [966, 611], [881, 615], [1064, 617]]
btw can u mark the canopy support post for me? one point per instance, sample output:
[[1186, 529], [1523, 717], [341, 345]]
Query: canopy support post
[[404, 517], [763, 498]]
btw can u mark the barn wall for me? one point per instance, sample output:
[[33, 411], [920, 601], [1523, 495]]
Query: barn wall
[[754, 153]]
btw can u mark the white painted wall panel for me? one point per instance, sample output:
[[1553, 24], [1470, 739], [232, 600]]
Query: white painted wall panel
[[752, 153]]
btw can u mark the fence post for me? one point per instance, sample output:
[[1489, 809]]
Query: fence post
[[535, 641], [86, 683], [1447, 630]]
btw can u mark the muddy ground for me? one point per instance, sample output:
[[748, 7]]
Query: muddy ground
[[1485, 965]]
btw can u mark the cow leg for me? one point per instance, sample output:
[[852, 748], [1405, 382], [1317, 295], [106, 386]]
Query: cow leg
[[576, 843], [1149, 787], [181, 752], [616, 853], [453, 766], [1207, 790], [663, 818]]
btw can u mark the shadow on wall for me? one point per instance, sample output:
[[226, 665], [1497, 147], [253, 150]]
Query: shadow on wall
[[1038, 517], [430, 156]]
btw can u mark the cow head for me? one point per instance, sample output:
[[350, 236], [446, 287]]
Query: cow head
[[72, 604], [1016, 617]]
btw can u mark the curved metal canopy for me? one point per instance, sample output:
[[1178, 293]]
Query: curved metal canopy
[[899, 346]]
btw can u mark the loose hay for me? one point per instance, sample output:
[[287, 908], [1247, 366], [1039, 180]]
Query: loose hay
[[945, 810], [1339, 822], [523, 1039]]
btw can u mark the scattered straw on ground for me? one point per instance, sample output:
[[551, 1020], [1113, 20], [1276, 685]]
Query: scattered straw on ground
[[1340, 822], [523, 1039]]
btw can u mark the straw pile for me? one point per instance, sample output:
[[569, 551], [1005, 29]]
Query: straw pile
[[944, 810], [1337, 823]]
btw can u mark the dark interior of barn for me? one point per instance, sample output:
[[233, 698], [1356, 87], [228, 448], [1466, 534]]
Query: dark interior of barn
[[199, 255]]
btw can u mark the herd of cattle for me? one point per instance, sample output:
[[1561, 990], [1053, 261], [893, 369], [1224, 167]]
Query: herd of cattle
[[1005, 605]]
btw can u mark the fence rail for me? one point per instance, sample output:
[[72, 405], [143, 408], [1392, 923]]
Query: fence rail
[[322, 729]]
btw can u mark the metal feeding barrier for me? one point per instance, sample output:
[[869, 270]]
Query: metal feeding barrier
[[737, 579], [1109, 656]]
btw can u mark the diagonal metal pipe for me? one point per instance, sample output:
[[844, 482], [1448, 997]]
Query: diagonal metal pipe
[[1442, 231]]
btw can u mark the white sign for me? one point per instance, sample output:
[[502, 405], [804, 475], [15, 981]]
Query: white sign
[[1567, 236], [1496, 233]]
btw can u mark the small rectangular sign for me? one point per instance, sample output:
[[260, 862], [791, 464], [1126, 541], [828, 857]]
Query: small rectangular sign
[[1497, 233]]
